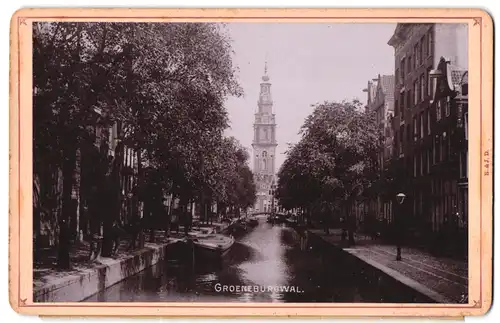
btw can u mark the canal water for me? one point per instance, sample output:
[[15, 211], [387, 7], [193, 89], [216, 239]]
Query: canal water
[[269, 264]]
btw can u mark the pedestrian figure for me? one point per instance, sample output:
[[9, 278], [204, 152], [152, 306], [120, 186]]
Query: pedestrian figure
[[351, 223], [117, 234], [305, 240], [344, 228], [95, 247], [303, 237], [135, 233], [174, 224]]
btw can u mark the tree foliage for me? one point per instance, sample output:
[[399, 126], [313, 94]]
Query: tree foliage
[[334, 162], [165, 84]]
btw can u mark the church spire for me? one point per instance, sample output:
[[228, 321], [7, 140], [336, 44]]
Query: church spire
[[264, 145], [265, 78]]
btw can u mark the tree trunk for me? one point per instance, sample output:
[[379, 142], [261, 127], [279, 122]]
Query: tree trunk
[[184, 214], [153, 215], [109, 215], [351, 224], [166, 219], [140, 196], [113, 194], [69, 160], [326, 223]]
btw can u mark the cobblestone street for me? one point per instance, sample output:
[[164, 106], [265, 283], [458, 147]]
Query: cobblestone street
[[443, 278]]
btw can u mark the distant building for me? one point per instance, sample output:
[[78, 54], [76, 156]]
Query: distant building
[[371, 92], [381, 101], [429, 122], [264, 147]]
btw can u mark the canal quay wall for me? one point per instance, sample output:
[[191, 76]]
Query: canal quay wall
[[81, 285], [389, 284]]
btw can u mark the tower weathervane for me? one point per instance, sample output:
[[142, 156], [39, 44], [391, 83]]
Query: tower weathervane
[[265, 78]]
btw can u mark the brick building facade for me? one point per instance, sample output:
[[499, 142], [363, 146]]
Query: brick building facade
[[380, 100], [430, 151]]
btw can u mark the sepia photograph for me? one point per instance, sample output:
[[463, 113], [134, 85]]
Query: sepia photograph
[[251, 162]]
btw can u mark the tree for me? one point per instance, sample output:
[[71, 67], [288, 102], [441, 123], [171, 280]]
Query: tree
[[164, 84], [336, 160], [234, 184]]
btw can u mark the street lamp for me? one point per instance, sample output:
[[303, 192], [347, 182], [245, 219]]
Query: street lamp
[[400, 198]]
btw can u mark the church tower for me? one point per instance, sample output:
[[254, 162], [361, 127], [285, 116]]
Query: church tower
[[264, 146]]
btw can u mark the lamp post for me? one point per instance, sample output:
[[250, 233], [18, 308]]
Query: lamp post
[[400, 198]]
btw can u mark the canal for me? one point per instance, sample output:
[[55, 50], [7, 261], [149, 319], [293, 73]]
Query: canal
[[268, 264]]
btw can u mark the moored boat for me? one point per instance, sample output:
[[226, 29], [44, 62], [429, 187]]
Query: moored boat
[[252, 222], [208, 244]]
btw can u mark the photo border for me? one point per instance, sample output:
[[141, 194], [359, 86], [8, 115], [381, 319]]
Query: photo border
[[480, 64]]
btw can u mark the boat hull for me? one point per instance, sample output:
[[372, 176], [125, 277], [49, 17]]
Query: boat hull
[[204, 252]]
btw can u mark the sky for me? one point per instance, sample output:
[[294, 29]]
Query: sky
[[307, 63]]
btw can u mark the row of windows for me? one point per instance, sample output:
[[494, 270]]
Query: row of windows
[[422, 125], [421, 90], [440, 151], [419, 129], [267, 134], [441, 206], [422, 49]]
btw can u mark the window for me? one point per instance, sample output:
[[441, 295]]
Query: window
[[402, 104], [422, 159], [415, 134], [430, 43], [415, 51], [401, 137], [438, 110], [444, 147], [395, 142], [448, 142], [415, 165], [409, 65], [434, 151], [447, 107], [463, 164], [466, 125], [428, 121], [422, 87], [421, 125], [396, 107], [403, 70], [421, 52], [396, 76], [440, 148], [408, 100], [429, 82], [423, 47], [416, 92], [429, 153]]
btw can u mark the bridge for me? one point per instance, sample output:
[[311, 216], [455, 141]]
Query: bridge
[[262, 214]]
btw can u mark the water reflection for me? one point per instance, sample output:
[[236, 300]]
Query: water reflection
[[266, 265]]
